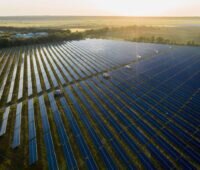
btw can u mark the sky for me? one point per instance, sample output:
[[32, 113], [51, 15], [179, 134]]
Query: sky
[[100, 7]]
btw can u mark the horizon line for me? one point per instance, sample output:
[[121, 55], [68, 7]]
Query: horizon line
[[146, 16]]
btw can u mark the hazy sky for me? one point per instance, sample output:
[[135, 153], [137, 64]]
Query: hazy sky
[[101, 7]]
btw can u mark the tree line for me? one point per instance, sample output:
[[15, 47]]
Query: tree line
[[58, 35]]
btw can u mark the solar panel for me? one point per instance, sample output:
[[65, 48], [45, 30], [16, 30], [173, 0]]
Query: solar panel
[[29, 78], [37, 77], [16, 138], [19, 108], [3, 127], [17, 129], [5, 121], [21, 79], [18, 121], [51, 156], [33, 155]]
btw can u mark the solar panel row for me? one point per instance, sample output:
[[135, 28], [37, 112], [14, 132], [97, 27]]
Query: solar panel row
[[21, 78], [10, 94], [51, 156], [17, 128], [33, 156], [5, 121], [29, 78], [37, 77]]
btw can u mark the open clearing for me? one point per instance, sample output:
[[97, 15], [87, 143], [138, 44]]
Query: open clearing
[[122, 105]]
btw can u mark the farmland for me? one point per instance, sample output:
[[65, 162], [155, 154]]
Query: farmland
[[144, 115], [92, 22]]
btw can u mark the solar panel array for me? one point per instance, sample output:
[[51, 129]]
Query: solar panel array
[[145, 115]]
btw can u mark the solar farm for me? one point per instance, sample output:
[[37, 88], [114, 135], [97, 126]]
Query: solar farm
[[119, 105]]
